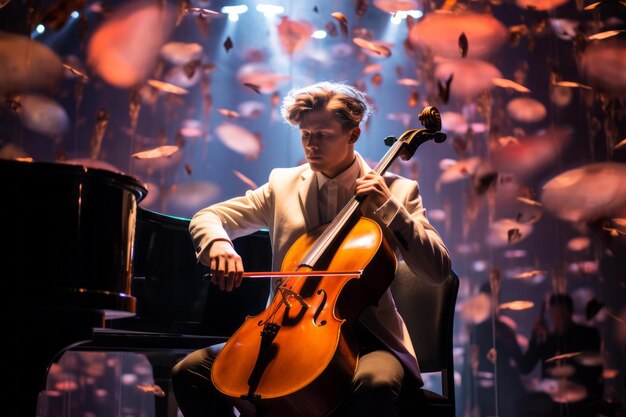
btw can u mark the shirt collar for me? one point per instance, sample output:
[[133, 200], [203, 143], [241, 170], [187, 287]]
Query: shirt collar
[[345, 178]]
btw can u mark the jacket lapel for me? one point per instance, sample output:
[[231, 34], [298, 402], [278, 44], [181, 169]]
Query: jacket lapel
[[307, 190]]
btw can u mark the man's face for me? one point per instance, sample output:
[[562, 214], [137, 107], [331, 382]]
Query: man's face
[[327, 147]]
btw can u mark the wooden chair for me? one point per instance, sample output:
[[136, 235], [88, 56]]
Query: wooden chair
[[428, 310]]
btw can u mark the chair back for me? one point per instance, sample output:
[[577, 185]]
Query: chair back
[[428, 311]]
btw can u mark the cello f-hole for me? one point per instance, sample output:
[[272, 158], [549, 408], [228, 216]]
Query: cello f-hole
[[320, 308]]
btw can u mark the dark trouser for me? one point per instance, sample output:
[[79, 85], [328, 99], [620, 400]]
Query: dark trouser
[[375, 388]]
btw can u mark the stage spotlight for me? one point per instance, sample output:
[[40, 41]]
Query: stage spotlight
[[319, 34], [75, 14], [270, 10], [39, 30], [233, 12], [400, 15]]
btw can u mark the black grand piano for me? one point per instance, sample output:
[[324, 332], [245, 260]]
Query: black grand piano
[[87, 268]]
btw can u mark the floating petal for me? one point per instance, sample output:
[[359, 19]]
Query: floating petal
[[540, 4], [440, 31], [125, 48], [504, 232], [294, 35], [603, 65], [471, 76], [44, 115], [526, 109], [588, 193], [27, 65], [180, 53], [240, 140]]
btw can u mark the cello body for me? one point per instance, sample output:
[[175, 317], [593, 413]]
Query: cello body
[[305, 359]]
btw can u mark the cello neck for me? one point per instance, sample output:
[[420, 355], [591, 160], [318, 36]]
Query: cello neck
[[403, 147]]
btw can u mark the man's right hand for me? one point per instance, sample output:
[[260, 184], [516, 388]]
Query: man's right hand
[[226, 265]]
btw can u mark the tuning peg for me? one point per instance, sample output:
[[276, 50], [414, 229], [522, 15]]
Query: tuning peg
[[439, 137]]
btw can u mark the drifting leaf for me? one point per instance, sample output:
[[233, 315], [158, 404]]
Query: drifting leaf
[[444, 89], [514, 235], [605, 35], [76, 72], [204, 12], [167, 87], [253, 87], [376, 47], [517, 305], [509, 84], [229, 113], [621, 144], [361, 7], [343, 22], [508, 140], [592, 6], [414, 98], [159, 152], [409, 82], [228, 44], [562, 356], [377, 79], [331, 29], [529, 201], [372, 68], [571, 84], [530, 274], [463, 45], [102, 121], [578, 243], [245, 180]]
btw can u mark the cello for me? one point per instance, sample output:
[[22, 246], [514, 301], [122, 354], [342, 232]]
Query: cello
[[329, 276]]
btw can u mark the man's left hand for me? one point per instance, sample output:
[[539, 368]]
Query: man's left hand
[[373, 185]]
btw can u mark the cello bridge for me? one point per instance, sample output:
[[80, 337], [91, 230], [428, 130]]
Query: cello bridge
[[287, 294]]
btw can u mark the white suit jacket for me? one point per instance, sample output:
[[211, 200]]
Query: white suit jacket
[[288, 206]]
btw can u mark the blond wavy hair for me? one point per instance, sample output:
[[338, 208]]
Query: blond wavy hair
[[348, 104]]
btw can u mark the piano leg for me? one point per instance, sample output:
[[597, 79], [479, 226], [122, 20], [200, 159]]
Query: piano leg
[[39, 342], [162, 364]]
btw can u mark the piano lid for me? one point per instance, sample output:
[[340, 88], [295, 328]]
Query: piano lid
[[69, 237], [172, 294]]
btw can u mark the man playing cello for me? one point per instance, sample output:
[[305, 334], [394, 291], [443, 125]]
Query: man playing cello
[[295, 200]]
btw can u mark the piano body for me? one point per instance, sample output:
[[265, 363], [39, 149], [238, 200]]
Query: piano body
[[89, 269]]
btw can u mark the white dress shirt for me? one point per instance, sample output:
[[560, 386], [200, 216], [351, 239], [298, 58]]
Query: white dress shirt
[[334, 194]]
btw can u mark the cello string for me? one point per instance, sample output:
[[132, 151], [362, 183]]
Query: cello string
[[339, 222]]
